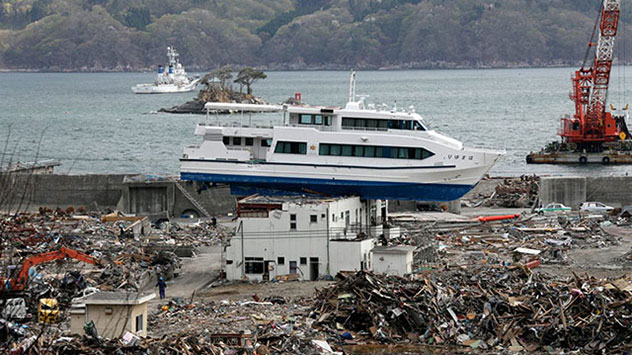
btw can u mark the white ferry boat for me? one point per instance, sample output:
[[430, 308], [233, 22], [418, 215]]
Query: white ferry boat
[[369, 152], [170, 80]]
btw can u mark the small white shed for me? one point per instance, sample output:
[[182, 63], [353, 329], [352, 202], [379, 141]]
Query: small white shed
[[393, 260]]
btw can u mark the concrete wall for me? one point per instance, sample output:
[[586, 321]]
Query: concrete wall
[[393, 263], [350, 255], [100, 192], [615, 191], [571, 191], [122, 318], [217, 200], [52, 191]]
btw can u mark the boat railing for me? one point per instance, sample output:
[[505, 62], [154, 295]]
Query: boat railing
[[365, 128], [318, 127], [235, 125]]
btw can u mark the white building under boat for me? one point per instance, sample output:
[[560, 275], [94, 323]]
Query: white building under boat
[[303, 238]]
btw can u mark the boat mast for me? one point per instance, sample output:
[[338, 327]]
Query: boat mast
[[352, 84]]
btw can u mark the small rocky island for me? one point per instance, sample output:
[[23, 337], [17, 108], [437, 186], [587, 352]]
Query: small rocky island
[[218, 88]]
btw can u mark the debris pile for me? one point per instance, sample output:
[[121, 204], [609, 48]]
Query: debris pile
[[282, 325], [488, 308], [520, 192], [130, 254]]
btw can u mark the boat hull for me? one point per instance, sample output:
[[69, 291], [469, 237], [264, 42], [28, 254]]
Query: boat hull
[[421, 183], [270, 186], [162, 89]]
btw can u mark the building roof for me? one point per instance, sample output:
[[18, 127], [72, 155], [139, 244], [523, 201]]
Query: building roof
[[397, 249], [118, 298], [257, 199]]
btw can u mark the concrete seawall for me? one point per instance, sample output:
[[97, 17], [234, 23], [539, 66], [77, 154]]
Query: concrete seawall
[[573, 190], [126, 193]]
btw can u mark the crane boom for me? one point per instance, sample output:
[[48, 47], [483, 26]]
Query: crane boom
[[592, 125]]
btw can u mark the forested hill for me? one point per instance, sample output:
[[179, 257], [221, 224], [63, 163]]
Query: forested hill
[[299, 34]]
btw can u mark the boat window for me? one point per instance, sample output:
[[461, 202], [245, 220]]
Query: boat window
[[250, 141], [347, 122], [226, 140], [291, 148], [266, 142], [306, 119], [371, 151], [419, 127], [327, 120], [236, 140], [382, 152], [382, 124], [318, 119]]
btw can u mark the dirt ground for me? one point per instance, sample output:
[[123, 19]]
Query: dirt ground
[[598, 262]]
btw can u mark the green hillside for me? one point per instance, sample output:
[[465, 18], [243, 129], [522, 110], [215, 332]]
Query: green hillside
[[297, 34]]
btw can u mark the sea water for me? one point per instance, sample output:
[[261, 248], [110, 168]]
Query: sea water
[[93, 123]]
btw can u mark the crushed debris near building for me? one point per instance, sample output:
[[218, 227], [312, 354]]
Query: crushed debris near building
[[502, 284]]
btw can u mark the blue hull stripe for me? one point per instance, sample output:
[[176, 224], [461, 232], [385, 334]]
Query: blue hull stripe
[[384, 190], [325, 165]]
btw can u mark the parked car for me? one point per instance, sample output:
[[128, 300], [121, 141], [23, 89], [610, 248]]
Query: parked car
[[553, 208], [595, 207]]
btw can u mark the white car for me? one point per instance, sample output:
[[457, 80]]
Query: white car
[[595, 207], [553, 208]]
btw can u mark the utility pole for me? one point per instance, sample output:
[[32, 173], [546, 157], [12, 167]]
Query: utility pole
[[243, 260], [327, 236]]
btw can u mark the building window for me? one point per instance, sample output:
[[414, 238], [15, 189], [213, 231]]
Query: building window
[[303, 261], [281, 260], [292, 222], [313, 218], [236, 140], [250, 141], [254, 265], [139, 323], [226, 140]]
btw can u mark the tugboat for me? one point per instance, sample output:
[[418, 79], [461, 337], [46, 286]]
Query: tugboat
[[373, 152], [173, 79], [592, 135]]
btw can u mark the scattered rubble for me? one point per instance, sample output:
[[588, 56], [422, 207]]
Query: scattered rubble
[[520, 192]]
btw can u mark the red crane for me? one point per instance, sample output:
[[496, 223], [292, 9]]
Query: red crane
[[19, 283], [591, 126]]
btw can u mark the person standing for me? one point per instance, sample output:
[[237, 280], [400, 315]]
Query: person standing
[[161, 287]]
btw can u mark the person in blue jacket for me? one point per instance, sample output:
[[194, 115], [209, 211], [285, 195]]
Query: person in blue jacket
[[161, 287]]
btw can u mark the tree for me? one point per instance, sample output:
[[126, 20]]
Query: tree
[[247, 76], [224, 74]]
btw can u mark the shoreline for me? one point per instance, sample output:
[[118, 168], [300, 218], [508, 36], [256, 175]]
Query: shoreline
[[308, 69]]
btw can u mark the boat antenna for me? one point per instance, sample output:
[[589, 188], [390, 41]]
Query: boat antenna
[[352, 92]]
